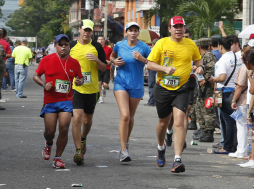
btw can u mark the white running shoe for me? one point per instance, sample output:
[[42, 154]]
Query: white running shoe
[[2, 100], [249, 164], [101, 100]]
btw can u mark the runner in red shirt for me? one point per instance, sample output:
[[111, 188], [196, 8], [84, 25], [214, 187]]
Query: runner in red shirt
[[57, 95], [104, 76]]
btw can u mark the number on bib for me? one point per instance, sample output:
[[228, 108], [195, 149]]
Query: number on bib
[[62, 86]]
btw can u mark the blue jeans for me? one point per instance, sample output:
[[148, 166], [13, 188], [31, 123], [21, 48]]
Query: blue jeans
[[20, 79], [221, 129], [151, 83], [10, 69], [229, 124]]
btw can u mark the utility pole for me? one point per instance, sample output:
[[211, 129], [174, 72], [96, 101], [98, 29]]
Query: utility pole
[[246, 16], [106, 20]]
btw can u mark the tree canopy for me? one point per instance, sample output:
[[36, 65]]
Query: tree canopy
[[200, 15], [2, 2], [165, 9], [42, 18]]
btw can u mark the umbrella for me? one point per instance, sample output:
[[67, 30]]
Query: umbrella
[[246, 33], [147, 36]]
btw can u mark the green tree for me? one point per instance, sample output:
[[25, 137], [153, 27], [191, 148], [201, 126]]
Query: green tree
[[42, 18], [2, 2], [165, 9], [200, 15]]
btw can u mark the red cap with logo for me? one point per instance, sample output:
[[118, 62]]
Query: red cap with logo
[[176, 20]]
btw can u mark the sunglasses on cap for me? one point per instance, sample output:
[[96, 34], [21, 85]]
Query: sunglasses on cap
[[63, 44]]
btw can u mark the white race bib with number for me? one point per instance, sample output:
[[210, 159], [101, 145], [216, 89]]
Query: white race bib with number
[[172, 81], [62, 86], [87, 77]]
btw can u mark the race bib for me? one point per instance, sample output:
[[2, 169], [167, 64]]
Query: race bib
[[172, 81], [62, 86], [87, 77]]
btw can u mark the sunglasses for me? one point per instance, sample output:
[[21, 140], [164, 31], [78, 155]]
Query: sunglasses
[[63, 44]]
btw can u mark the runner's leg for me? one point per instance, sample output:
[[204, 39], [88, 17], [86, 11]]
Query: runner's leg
[[123, 101], [179, 130], [64, 122]]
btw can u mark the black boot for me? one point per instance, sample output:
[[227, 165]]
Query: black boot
[[192, 125], [208, 137], [199, 135]]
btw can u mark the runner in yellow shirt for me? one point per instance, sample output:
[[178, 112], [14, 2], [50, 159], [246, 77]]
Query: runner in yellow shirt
[[171, 57], [92, 58]]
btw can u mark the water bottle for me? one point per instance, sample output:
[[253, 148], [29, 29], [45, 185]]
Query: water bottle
[[249, 127]]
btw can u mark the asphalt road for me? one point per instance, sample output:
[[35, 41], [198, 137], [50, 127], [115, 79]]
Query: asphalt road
[[22, 165]]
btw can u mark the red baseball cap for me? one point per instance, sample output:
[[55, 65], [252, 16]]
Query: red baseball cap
[[176, 20]]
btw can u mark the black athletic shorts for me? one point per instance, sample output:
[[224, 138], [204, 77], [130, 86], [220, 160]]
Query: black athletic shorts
[[87, 102], [191, 97], [104, 76], [165, 100]]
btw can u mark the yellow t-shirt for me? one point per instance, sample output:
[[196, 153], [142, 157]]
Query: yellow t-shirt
[[89, 68], [174, 54], [22, 54]]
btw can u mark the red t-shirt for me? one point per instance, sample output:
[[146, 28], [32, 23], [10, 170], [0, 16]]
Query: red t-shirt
[[54, 71], [108, 52], [6, 47]]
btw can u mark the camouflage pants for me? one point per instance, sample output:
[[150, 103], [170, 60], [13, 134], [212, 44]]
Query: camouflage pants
[[206, 116], [192, 113]]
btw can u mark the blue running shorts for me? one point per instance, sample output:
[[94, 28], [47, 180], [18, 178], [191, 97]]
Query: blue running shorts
[[63, 106], [134, 93]]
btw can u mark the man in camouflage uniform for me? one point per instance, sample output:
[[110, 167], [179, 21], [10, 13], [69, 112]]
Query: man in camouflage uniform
[[2, 67], [206, 116]]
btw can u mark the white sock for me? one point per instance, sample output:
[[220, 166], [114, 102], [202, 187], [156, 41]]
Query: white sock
[[176, 156], [170, 131], [161, 147]]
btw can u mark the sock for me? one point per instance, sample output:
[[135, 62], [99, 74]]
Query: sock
[[170, 131], [177, 158], [57, 157], [83, 139], [161, 147], [49, 145], [78, 150]]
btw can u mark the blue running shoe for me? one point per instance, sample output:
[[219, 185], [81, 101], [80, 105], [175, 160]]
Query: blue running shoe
[[178, 166], [161, 160]]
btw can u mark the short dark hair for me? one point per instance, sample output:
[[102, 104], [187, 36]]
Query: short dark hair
[[4, 32], [204, 47], [188, 31], [248, 56], [214, 41], [226, 42], [235, 39]]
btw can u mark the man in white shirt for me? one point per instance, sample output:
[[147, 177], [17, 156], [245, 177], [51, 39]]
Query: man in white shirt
[[51, 48], [39, 54]]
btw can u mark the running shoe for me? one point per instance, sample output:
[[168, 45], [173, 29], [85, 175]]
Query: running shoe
[[83, 147], [124, 156], [104, 93], [79, 158], [249, 164], [178, 166], [46, 153], [101, 100], [58, 164], [168, 139], [161, 160]]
